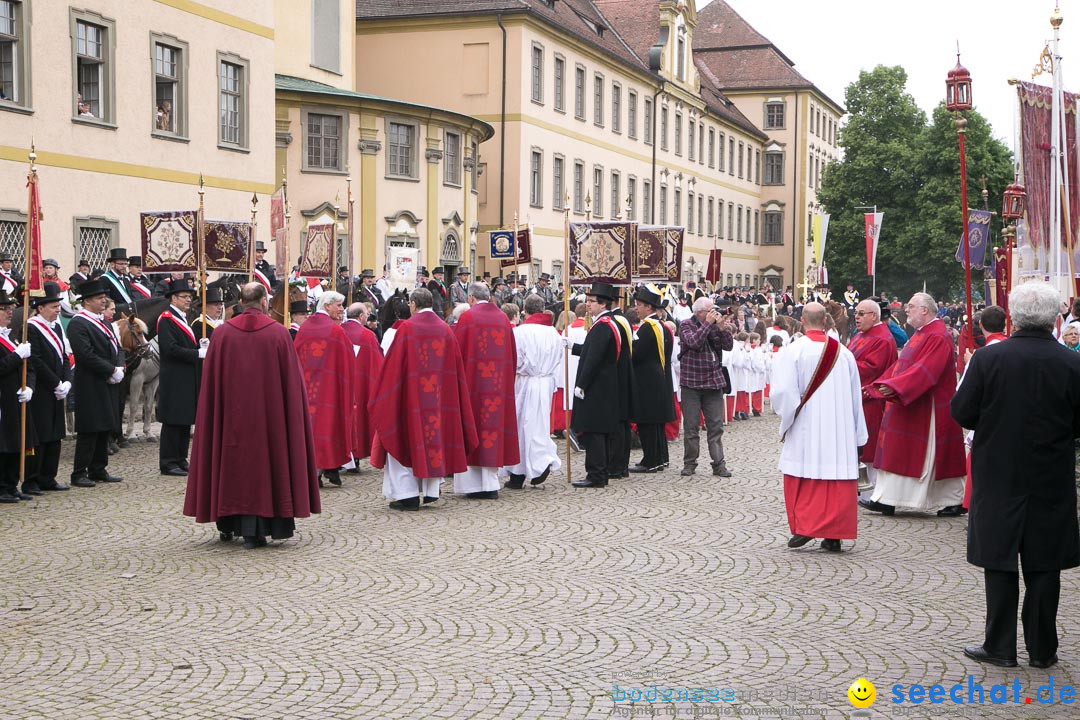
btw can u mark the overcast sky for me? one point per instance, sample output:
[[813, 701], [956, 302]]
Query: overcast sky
[[830, 41]]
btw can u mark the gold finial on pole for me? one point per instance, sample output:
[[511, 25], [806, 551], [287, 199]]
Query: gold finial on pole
[[252, 237], [567, 389], [588, 207], [349, 238]]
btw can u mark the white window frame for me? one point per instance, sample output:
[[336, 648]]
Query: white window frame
[[106, 100], [559, 74], [769, 124], [536, 177], [180, 81], [598, 100], [452, 161], [597, 205], [536, 73], [244, 103], [616, 107], [631, 114], [21, 57], [579, 92], [558, 181]]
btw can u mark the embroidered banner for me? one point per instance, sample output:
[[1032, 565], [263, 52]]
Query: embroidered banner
[[168, 241], [227, 246], [403, 263], [712, 273], [277, 215], [978, 232], [34, 280], [601, 252], [650, 254], [503, 246], [523, 247], [1035, 142], [872, 230], [316, 261], [673, 252]]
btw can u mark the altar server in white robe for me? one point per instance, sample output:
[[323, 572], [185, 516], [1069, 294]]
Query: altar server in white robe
[[822, 436], [539, 361]]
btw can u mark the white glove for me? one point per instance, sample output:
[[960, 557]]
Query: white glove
[[202, 351], [579, 393], [567, 342], [61, 391], [23, 350], [24, 394], [203, 344], [117, 376]]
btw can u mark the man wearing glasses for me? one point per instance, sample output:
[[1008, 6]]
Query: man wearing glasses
[[875, 354]]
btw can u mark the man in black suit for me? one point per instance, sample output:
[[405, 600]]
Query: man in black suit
[[81, 276], [262, 265], [116, 277], [439, 295], [52, 385], [368, 292], [12, 393], [178, 389], [1022, 399], [99, 370], [652, 381]]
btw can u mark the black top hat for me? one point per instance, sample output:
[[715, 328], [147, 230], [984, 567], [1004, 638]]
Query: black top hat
[[213, 295], [135, 261], [50, 261], [603, 290], [367, 273], [179, 286], [523, 280], [487, 275], [647, 296], [6, 299], [438, 270], [463, 271], [6, 257], [423, 271], [545, 276], [260, 246], [83, 263], [298, 306], [498, 281], [118, 254], [52, 294], [343, 268], [91, 288]]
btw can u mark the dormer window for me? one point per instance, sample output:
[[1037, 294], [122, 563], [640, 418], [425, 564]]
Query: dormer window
[[594, 26], [680, 48]]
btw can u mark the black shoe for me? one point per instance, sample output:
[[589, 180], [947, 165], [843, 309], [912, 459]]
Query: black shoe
[[721, 471], [558, 434], [590, 484], [23, 496], [483, 495], [798, 541], [123, 443], [250, 543], [333, 476], [757, 413], [8, 498], [225, 536], [516, 482], [353, 471], [428, 499], [412, 503], [952, 511], [174, 470], [1043, 664], [31, 488], [113, 448], [184, 464], [53, 487], [639, 468], [875, 506], [107, 478], [830, 545], [83, 482], [979, 654], [688, 470], [541, 477]]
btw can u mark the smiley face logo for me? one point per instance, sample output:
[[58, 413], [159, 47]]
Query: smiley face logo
[[862, 693]]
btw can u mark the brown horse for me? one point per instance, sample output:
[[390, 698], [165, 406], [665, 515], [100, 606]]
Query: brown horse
[[278, 310], [839, 316]]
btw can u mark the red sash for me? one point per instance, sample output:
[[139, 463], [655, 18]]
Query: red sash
[[183, 326], [100, 326], [606, 320], [137, 287], [263, 279], [7, 343], [824, 367], [51, 336]]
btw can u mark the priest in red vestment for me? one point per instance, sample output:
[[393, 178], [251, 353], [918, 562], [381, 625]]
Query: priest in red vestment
[[327, 359], [920, 454], [366, 369], [875, 354], [252, 461], [489, 351], [424, 428]]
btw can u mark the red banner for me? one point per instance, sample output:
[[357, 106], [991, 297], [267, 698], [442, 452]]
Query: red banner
[[523, 248], [872, 222], [712, 274], [1036, 141], [33, 236]]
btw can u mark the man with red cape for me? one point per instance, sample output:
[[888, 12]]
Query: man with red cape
[[327, 360], [424, 428], [252, 461], [367, 366], [920, 455], [875, 354], [489, 351]]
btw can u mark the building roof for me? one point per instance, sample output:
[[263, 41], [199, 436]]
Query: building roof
[[291, 83]]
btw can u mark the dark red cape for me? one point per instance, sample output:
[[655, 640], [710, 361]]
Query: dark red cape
[[489, 349], [252, 452], [875, 354], [420, 410], [367, 366], [327, 360]]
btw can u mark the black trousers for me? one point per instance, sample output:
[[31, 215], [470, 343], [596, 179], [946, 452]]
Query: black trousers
[[597, 448], [653, 445], [91, 455], [619, 450], [42, 466], [1039, 613], [175, 441], [9, 473]]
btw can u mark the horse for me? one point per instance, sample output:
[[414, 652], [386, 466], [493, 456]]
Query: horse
[[143, 371], [395, 308], [839, 315], [278, 309]]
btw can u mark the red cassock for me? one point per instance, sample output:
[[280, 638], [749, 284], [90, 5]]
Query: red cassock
[[327, 360], [875, 354], [924, 377], [489, 350], [367, 366], [252, 453], [420, 410]]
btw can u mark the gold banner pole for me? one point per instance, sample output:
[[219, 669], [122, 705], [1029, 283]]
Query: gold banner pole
[[251, 239], [333, 247], [285, 316], [567, 390], [202, 247], [349, 242], [27, 269]]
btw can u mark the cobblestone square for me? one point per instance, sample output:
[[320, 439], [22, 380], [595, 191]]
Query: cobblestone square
[[545, 604]]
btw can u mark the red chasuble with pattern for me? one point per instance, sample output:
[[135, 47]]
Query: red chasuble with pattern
[[420, 410], [486, 338], [875, 354], [326, 358], [924, 377], [366, 366]]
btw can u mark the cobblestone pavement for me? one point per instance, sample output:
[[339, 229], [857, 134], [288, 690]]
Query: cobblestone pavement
[[114, 605]]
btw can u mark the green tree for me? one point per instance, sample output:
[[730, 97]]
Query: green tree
[[909, 169]]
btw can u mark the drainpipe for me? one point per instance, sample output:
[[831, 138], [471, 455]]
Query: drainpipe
[[502, 129], [653, 190]]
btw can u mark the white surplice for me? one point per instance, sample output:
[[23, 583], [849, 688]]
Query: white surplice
[[477, 479], [577, 337], [539, 360], [822, 444]]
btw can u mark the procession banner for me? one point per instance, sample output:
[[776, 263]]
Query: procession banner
[[650, 254], [403, 263], [1001, 279], [673, 252], [872, 222], [503, 246], [821, 231], [277, 215], [978, 232], [601, 252], [316, 258], [34, 280], [227, 246], [1035, 141], [168, 241], [523, 248], [712, 273]]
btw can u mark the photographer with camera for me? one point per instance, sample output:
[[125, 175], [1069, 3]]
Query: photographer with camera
[[703, 339]]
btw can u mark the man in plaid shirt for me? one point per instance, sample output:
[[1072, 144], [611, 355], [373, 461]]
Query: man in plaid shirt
[[703, 338]]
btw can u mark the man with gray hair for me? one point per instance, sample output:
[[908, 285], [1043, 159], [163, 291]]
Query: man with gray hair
[[327, 361], [489, 352], [704, 339], [1021, 396], [875, 354], [920, 461]]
